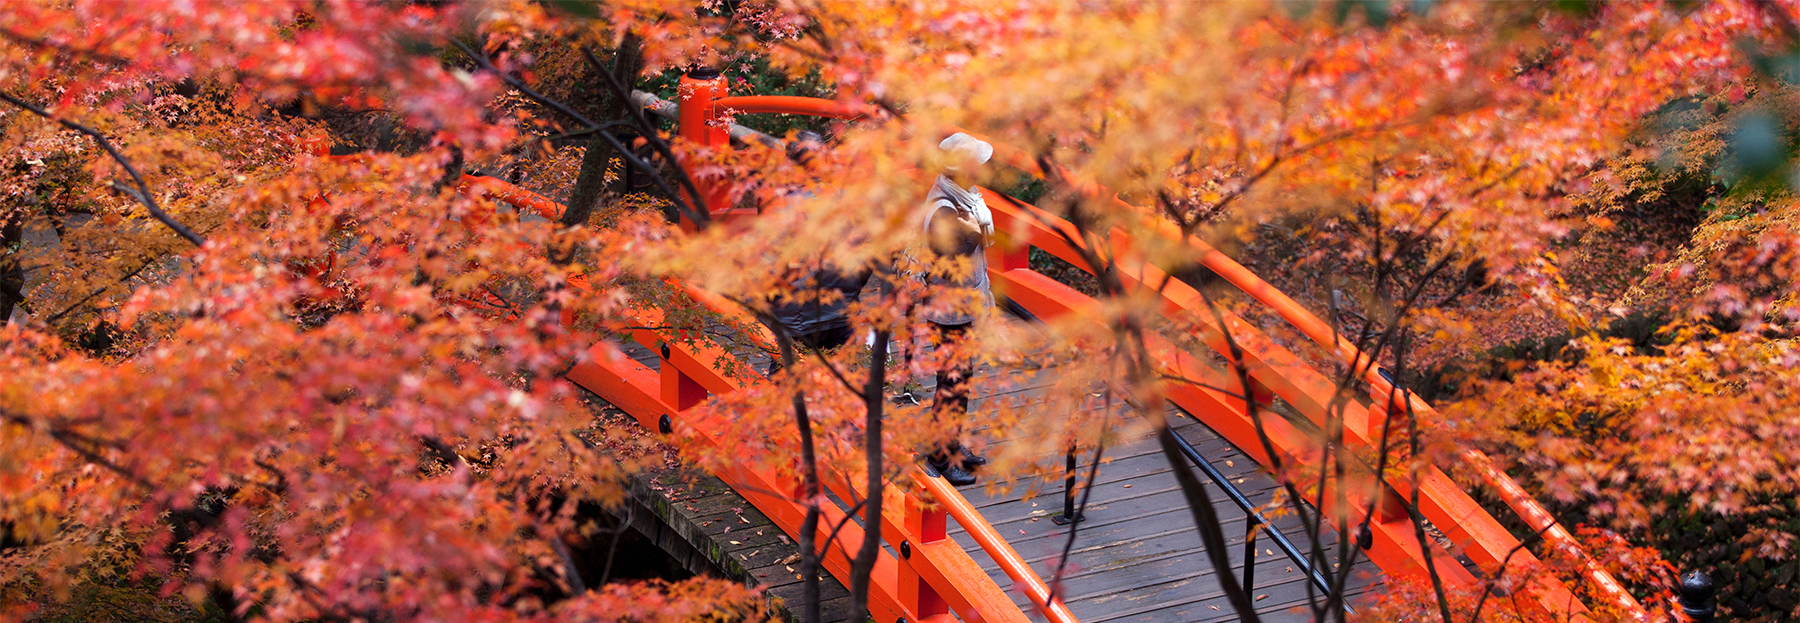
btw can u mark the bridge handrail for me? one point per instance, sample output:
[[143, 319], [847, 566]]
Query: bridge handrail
[[995, 545], [700, 106], [1389, 399], [1382, 391], [790, 105]]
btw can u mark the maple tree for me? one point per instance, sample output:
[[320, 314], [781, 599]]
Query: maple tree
[[302, 386]]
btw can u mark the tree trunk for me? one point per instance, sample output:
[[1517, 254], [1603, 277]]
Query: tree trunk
[[590, 183], [811, 611], [12, 275], [874, 398]]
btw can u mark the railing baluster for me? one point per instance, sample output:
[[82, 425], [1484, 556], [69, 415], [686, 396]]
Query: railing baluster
[[1070, 514], [1237, 497], [679, 389], [1249, 552]]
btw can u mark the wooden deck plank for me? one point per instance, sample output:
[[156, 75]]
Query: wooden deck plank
[[1140, 476], [1138, 557], [739, 540]]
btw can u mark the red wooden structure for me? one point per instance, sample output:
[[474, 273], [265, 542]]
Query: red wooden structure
[[934, 577]]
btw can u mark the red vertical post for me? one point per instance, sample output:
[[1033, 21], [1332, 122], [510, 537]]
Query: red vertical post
[[1263, 395], [679, 390], [1008, 253], [698, 123], [926, 526]]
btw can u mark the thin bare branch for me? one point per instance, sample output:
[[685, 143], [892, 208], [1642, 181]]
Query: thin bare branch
[[141, 193]]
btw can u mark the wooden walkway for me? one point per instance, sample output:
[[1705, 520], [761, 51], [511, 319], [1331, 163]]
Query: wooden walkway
[[1137, 557], [699, 513]]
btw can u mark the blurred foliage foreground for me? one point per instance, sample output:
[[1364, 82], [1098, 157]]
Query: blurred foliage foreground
[[244, 380]]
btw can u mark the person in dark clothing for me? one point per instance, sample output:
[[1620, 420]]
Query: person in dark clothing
[[815, 314]]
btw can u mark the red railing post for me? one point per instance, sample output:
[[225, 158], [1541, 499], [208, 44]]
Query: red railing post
[[679, 390], [1262, 393], [1008, 253], [699, 123], [927, 526]]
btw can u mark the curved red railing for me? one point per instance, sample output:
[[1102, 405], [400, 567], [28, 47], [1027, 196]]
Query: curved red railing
[[1382, 391], [995, 545], [1488, 543], [938, 577]]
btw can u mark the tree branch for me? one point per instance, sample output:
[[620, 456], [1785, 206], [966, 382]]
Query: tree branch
[[141, 193], [702, 219], [648, 131]]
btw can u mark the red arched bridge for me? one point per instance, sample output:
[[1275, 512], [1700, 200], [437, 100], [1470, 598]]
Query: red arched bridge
[[935, 579]]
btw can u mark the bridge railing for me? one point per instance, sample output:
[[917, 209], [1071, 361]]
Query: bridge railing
[[1493, 543], [929, 579], [933, 576], [1393, 543]]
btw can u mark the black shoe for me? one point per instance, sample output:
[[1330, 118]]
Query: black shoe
[[953, 474], [969, 458]]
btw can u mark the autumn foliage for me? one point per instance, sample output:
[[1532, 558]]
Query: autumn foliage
[[265, 358]]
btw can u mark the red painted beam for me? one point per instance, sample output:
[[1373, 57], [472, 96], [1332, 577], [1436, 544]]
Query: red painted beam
[[787, 104]]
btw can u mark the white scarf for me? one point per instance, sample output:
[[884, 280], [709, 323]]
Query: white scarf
[[968, 202], [964, 200]]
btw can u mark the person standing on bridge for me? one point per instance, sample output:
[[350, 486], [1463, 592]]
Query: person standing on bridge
[[815, 313], [957, 227]]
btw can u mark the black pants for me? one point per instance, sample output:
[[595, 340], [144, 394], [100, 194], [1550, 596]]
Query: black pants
[[827, 340], [950, 404]]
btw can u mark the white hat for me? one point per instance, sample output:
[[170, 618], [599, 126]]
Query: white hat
[[966, 148]]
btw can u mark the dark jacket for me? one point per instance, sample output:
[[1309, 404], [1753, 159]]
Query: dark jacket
[[819, 301]]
